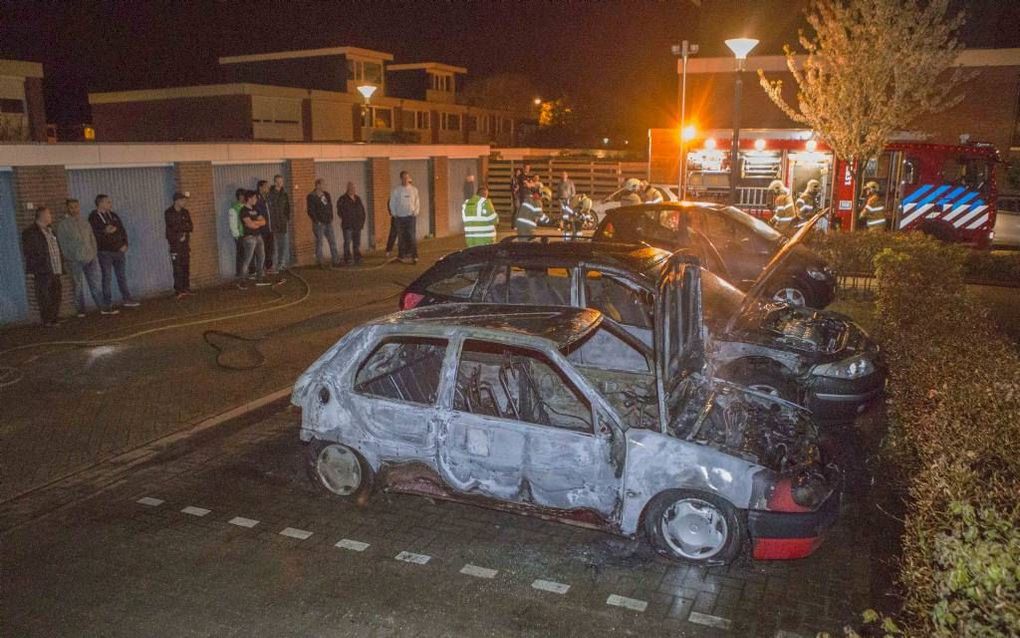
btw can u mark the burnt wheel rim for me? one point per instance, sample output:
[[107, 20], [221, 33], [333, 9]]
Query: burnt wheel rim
[[338, 469], [694, 529], [791, 296]]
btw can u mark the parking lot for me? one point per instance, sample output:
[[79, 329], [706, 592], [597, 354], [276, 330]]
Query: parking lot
[[228, 537]]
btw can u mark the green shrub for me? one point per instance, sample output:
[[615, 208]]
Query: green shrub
[[955, 406]]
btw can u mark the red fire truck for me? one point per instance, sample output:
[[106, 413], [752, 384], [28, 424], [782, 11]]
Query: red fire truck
[[946, 190]]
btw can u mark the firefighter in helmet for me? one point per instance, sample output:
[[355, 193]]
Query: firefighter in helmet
[[807, 202], [632, 196], [873, 214], [650, 194], [530, 214], [782, 206]]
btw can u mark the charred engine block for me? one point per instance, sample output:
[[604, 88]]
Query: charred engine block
[[807, 330]]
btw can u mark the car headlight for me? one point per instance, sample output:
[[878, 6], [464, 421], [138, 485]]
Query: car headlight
[[817, 273], [852, 368]]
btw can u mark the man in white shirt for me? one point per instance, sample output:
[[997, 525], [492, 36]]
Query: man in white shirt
[[404, 207]]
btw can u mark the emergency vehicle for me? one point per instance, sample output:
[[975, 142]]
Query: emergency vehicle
[[946, 190]]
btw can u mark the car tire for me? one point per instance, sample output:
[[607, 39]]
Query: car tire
[[762, 376], [793, 294], [694, 527], [339, 471]]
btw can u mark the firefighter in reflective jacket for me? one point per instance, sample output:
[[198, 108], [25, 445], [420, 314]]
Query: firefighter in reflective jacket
[[479, 218], [782, 206], [874, 209], [631, 195], [530, 215], [650, 194], [807, 203]]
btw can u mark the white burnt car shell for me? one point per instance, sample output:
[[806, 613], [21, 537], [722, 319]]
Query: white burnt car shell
[[560, 413]]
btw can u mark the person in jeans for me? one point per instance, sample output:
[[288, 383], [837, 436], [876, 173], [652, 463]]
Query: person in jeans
[[405, 205], [352, 219], [78, 244], [112, 242], [391, 239], [178, 236], [236, 229], [262, 193], [279, 222], [320, 209], [252, 223], [42, 261]]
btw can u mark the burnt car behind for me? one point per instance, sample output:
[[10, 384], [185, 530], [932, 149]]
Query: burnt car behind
[[744, 245], [517, 408], [819, 359]]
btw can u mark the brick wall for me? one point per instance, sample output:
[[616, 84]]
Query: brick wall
[[196, 179], [41, 186], [302, 181], [441, 195], [379, 174]]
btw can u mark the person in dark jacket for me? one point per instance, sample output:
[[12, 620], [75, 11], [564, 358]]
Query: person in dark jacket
[[112, 241], [352, 219], [279, 204], [262, 203], [320, 209], [178, 236], [42, 261]]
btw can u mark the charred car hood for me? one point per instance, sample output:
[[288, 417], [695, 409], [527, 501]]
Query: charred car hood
[[766, 430], [804, 330]]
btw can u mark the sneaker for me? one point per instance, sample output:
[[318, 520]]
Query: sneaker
[[242, 285], [388, 254], [262, 282], [109, 311], [80, 315], [131, 304], [180, 295]]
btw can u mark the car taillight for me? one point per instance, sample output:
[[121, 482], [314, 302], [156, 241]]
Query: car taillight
[[410, 300], [781, 498], [801, 493]]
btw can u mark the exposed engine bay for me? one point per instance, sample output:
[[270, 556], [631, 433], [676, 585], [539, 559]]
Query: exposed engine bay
[[806, 329]]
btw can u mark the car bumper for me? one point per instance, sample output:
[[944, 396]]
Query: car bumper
[[790, 535], [830, 398]]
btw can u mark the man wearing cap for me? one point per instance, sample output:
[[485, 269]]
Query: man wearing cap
[[178, 236]]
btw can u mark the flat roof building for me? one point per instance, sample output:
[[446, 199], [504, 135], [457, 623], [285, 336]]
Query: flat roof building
[[22, 110]]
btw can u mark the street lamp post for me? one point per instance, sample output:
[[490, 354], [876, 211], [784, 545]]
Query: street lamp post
[[684, 50], [740, 47], [366, 91]]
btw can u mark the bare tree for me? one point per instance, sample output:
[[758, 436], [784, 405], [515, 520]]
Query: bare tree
[[872, 68]]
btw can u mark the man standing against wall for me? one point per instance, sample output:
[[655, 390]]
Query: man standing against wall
[[565, 190], [320, 209], [279, 204], [404, 206], [262, 204], [78, 244], [352, 220], [252, 222], [178, 236], [112, 242], [236, 229], [479, 219], [42, 261]]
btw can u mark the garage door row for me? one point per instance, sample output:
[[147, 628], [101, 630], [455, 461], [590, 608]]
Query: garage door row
[[141, 194]]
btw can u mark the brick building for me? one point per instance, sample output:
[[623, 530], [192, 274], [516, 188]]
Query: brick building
[[310, 96], [22, 111]]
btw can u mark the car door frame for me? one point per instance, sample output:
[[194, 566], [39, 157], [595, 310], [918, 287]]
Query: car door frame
[[506, 261]]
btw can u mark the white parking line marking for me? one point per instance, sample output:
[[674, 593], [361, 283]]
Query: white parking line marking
[[478, 572], [627, 603], [151, 502], [195, 511], [411, 557], [299, 534], [709, 620], [355, 546], [241, 521], [550, 586]]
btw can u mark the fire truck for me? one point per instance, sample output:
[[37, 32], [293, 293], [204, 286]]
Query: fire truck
[[948, 191]]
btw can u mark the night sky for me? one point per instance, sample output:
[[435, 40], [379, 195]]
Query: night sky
[[612, 55]]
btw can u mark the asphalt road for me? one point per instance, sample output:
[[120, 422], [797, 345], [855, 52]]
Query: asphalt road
[[224, 535]]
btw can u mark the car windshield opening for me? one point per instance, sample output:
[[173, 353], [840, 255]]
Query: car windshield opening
[[753, 223], [404, 369]]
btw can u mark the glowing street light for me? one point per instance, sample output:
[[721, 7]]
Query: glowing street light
[[537, 101], [688, 133], [366, 91], [759, 144], [710, 144], [740, 47]]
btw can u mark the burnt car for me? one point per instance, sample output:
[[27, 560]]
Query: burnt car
[[819, 359], [744, 245], [517, 408]]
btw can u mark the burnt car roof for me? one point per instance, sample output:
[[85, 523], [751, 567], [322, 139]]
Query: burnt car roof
[[562, 325], [630, 257]]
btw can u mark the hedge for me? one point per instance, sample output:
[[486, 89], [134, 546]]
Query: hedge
[[955, 430], [853, 254]]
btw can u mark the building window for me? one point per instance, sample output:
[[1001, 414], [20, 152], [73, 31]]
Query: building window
[[364, 71], [377, 117], [493, 124], [471, 122], [483, 123], [422, 120], [451, 122], [11, 106], [507, 125], [441, 82]]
